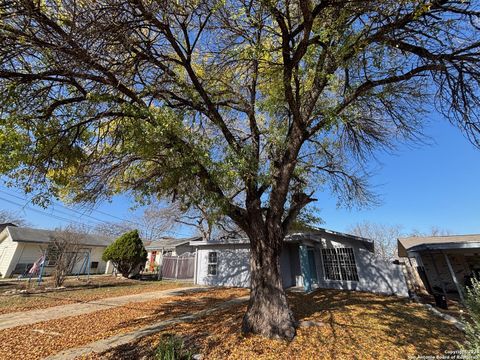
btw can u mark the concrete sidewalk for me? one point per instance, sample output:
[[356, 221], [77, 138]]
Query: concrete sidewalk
[[10, 320], [122, 339]]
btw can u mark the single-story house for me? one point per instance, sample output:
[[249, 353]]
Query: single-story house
[[157, 249], [312, 259], [21, 247], [443, 263]]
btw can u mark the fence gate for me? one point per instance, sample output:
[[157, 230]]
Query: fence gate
[[178, 267]]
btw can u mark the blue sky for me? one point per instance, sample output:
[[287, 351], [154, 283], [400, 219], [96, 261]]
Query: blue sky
[[419, 186], [422, 186]]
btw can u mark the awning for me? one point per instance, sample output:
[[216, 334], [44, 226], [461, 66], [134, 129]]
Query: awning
[[444, 246]]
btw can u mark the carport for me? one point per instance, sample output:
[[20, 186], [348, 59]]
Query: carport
[[445, 264]]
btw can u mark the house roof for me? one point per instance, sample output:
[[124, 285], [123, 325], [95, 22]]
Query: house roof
[[419, 243], [297, 236], [30, 235], [223, 241], [169, 243], [4, 225], [322, 231]]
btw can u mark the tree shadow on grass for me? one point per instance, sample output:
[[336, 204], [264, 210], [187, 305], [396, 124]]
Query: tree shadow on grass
[[401, 322], [199, 331], [354, 324], [175, 308], [130, 351]]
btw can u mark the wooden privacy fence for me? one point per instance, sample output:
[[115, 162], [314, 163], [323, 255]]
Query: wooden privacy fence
[[178, 267]]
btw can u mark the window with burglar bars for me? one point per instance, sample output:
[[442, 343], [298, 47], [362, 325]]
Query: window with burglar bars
[[212, 263], [339, 264]]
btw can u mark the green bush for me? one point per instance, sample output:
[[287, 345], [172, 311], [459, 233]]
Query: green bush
[[172, 348], [126, 253], [472, 302]]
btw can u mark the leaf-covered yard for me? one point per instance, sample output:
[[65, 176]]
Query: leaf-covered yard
[[343, 325], [46, 338], [99, 287], [354, 325]]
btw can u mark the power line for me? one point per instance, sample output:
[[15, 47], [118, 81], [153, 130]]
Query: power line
[[55, 210], [57, 217], [76, 211], [115, 217]]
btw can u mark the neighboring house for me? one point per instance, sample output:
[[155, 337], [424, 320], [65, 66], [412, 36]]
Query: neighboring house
[[21, 247], [167, 246], [313, 259], [444, 263]]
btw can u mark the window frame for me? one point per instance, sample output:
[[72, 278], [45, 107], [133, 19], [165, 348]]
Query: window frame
[[339, 264], [213, 264]]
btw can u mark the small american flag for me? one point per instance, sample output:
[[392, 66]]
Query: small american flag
[[36, 266]]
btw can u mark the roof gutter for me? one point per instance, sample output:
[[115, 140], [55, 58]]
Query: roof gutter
[[444, 246]]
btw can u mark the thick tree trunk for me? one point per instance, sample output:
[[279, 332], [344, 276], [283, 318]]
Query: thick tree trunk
[[268, 313]]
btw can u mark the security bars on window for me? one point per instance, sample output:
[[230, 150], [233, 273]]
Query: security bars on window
[[339, 264], [212, 263]]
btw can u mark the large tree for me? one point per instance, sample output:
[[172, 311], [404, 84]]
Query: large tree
[[242, 106], [384, 237]]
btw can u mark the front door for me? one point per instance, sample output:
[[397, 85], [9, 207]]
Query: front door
[[312, 265]]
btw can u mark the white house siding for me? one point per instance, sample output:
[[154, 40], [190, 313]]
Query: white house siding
[[96, 256], [375, 275], [379, 276], [233, 268], [233, 265], [109, 268], [16, 259], [8, 250], [28, 253], [79, 267]]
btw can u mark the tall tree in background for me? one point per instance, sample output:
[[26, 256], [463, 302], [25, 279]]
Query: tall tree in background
[[155, 222], [384, 237], [210, 225], [12, 217], [433, 231], [245, 107], [159, 221]]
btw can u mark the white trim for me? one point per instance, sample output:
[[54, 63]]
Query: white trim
[[195, 268]]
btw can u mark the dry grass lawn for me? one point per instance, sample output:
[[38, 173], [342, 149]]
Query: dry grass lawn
[[99, 287], [354, 326]]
